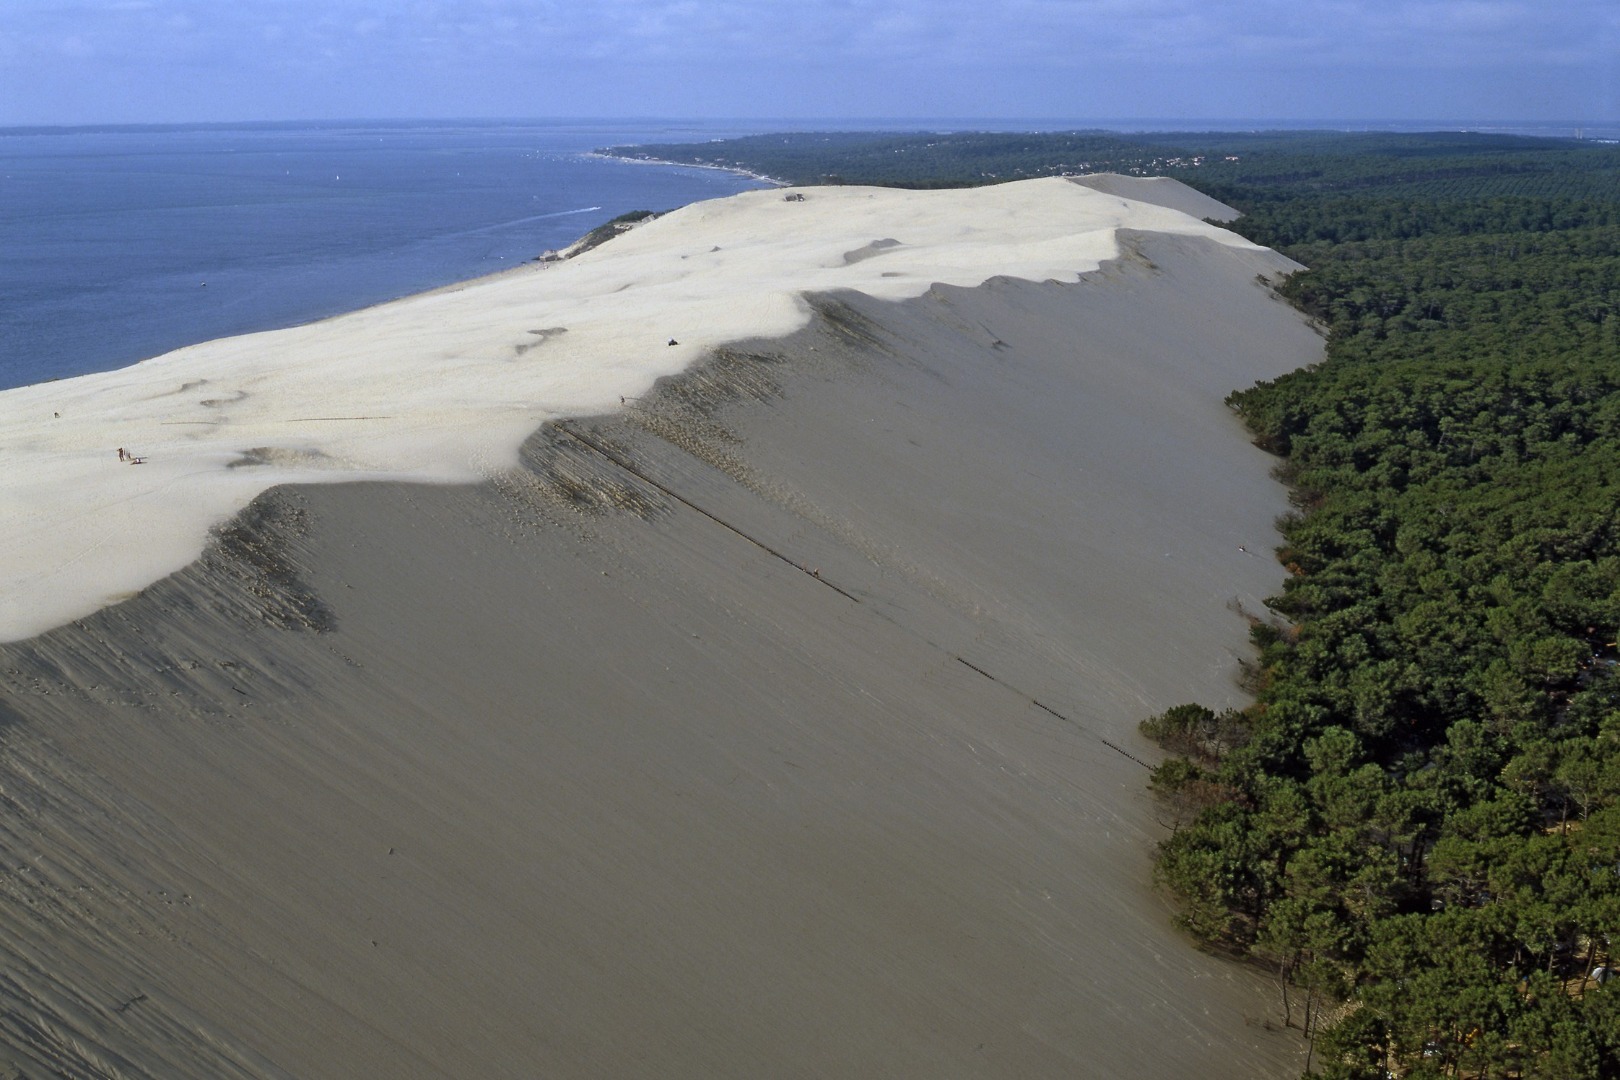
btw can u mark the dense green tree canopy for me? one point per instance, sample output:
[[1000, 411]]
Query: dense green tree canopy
[[1437, 712]]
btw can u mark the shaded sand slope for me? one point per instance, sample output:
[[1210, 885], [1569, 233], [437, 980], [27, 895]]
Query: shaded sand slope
[[1159, 191], [705, 743]]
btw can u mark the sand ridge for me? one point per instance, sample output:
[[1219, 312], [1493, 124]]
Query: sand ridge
[[769, 726], [444, 387]]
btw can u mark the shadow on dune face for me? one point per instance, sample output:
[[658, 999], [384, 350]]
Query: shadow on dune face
[[780, 724]]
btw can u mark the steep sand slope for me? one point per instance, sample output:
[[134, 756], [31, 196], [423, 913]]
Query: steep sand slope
[[1159, 191], [776, 726]]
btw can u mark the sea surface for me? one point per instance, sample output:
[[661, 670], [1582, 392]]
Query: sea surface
[[120, 244]]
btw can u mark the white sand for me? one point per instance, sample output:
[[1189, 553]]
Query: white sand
[[774, 726], [445, 386]]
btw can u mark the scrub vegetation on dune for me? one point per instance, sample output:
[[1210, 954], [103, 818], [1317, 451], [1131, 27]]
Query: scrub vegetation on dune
[[1416, 825], [603, 233]]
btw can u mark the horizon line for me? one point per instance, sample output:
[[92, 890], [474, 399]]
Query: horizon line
[[806, 124]]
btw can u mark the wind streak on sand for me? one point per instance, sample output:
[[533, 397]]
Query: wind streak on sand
[[444, 387]]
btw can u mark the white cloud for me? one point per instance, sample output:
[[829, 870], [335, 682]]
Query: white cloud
[[900, 51], [1046, 31], [1303, 32], [75, 47]]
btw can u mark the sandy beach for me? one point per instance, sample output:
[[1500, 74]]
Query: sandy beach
[[775, 720]]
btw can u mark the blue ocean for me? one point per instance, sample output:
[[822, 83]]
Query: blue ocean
[[121, 244], [118, 244]]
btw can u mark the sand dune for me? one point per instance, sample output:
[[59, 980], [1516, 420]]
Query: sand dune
[[779, 723], [1159, 191], [446, 386]]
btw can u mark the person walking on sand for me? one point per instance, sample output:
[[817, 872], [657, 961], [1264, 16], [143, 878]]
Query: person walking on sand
[[121, 454]]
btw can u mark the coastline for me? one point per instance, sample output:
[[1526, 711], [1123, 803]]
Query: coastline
[[761, 177], [776, 721], [117, 295]]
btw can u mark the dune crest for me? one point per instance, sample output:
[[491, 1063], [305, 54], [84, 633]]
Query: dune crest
[[780, 722], [445, 386]]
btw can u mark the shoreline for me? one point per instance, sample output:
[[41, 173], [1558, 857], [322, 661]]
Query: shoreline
[[760, 728], [121, 301], [761, 177]]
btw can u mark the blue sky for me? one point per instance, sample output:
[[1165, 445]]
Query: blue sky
[[89, 61]]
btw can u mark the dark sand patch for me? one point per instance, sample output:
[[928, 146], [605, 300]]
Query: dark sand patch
[[285, 456], [540, 338], [868, 251], [705, 744]]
